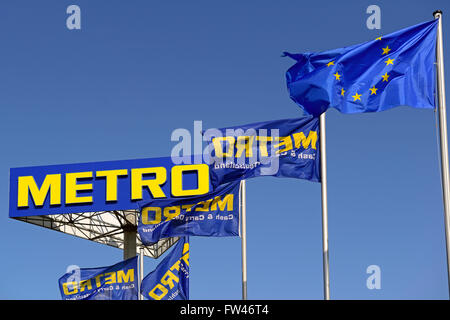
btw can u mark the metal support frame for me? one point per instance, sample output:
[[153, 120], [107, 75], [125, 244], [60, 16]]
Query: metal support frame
[[105, 227]]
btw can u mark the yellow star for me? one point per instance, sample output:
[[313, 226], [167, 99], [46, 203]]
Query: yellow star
[[379, 38], [342, 91], [386, 50], [389, 61], [385, 77], [338, 76], [331, 63], [373, 90], [357, 97]]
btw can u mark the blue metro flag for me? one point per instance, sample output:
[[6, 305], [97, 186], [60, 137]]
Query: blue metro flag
[[392, 70], [287, 148], [116, 282], [215, 214], [170, 279]]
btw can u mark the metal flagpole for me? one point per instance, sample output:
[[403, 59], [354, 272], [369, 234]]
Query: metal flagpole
[[243, 240], [141, 271], [443, 135], [323, 175]]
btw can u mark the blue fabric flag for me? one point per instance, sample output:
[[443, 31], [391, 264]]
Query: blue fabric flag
[[215, 214], [116, 282], [170, 279], [392, 70], [279, 148]]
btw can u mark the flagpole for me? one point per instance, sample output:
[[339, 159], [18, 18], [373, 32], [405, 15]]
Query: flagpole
[[243, 239], [443, 136], [323, 175], [141, 271]]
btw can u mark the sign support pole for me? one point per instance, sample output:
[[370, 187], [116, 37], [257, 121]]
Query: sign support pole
[[129, 236]]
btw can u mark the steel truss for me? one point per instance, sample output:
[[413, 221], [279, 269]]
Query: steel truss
[[105, 227]]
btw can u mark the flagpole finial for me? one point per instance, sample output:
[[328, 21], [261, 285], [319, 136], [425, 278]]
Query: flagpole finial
[[437, 12]]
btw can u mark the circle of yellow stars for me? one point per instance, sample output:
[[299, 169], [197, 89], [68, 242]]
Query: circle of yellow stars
[[373, 90]]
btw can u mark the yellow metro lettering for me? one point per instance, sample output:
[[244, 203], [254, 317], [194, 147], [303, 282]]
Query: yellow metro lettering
[[187, 207], [51, 185], [154, 185], [202, 180], [171, 212], [111, 182], [72, 187], [217, 143], [204, 206], [156, 210], [244, 143], [262, 146], [159, 291], [285, 141], [227, 202], [168, 279], [85, 283], [97, 280], [176, 265], [66, 288], [185, 256], [300, 138], [156, 296], [27, 184], [217, 204], [125, 277], [110, 278]]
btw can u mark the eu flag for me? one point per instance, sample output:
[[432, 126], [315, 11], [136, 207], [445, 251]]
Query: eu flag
[[389, 71]]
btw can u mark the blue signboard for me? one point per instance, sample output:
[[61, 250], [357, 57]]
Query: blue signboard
[[102, 186]]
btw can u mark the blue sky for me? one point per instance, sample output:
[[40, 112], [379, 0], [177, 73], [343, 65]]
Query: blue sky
[[117, 88]]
